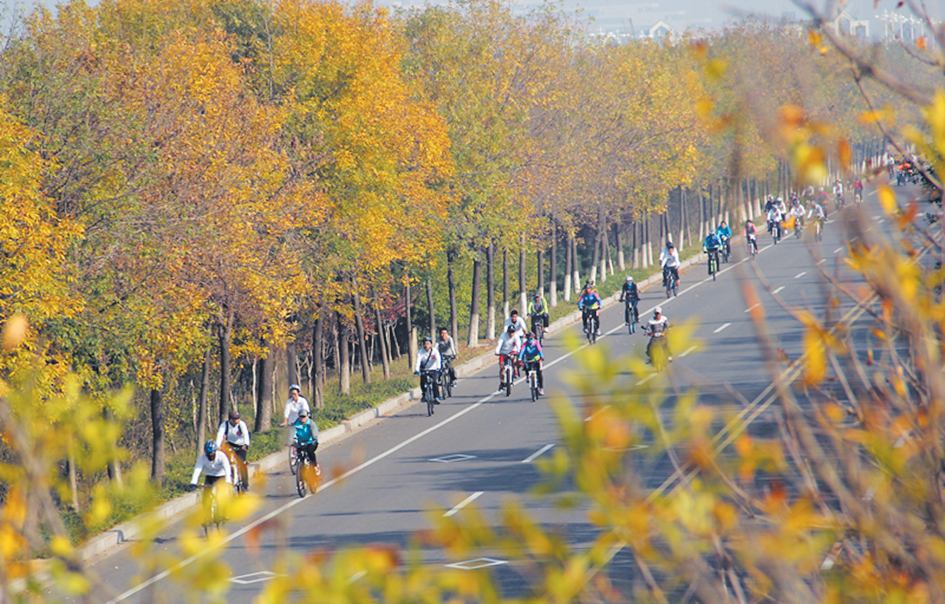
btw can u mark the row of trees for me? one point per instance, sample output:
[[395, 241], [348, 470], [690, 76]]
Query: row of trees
[[189, 187]]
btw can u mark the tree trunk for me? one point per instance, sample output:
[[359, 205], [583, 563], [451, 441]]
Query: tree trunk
[[379, 323], [568, 266], [408, 306], [540, 261], [505, 283], [431, 309], [576, 265], [451, 285], [344, 358], [157, 435], [473, 339], [523, 298], [618, 240], [647, 243], [553, 272], [595, 255], [361, 334], [225, 337], [490, 291], [292, 362], [604, 247], [264, 395], [202, 411], [318, 360], [73, 483]]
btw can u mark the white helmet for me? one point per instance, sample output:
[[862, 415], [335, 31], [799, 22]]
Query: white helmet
[[629, 278], [658, 310]]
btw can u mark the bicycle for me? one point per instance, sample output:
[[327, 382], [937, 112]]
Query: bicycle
[[538, 327], [211, 509], [508, 372], [670, 281], [657, 351], [428, 394], [726, 250], [591, 325], [307, 473], [819, 229], [713, 263], [752, 242], [798, 226], [293, 460], [533, 379], [446, 376], [237, 466], [631, 315], [775, 229]]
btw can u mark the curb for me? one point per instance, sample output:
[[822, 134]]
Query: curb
[[126, 532]]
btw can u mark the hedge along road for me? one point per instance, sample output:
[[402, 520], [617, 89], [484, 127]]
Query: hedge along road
[[480, 446]]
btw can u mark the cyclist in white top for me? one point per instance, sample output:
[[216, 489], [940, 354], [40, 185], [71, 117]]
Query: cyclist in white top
[[295, 404], [236, 434], [518, 322], [212, 465]]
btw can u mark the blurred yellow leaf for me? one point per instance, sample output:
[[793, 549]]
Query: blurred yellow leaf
[[14, 332], [887, 199]]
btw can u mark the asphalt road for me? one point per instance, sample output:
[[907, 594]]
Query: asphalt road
[[398, 472]]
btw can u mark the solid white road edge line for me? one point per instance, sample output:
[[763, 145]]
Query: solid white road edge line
[[722, 327], [778, 291], [538, 453], [689, 350], [463, 504]]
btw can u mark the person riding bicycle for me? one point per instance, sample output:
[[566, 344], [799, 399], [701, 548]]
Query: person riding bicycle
[[235, 433], [630, 294], [295, 404], [589, 303], [538, 311], [774, 220], [448, 353], [724, 233], [769, 203], [212, 465], [797, 214], [428, 368], [531, 356], [656, 328], [518, 322], [711, 247], [669, 261], [751, 234], [858, 189], [508, 346], [838, 191], [306, 438]]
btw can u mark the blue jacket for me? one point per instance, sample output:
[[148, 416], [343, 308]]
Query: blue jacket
[[724, 232], [307, 433], [712, 242], [531, 351], [589, 299]]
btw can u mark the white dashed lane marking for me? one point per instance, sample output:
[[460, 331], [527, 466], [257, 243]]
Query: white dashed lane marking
[[778, 291], [722, 327], [463, 503], [800, 274]]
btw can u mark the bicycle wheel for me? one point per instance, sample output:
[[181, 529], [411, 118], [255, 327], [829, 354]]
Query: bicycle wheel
[[293, 461], [429, 407], [300, 480], [533, 383], [508, 382]]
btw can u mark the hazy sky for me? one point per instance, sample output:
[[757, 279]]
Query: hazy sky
[[620, 14]]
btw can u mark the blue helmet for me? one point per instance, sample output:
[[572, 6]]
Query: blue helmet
[[210, 447]]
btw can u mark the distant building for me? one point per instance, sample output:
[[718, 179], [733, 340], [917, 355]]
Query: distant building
[[659, 31], [844, 24]]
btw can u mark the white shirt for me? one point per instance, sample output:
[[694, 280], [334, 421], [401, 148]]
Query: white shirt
[[669, 258], [658, 326], [292, 409], [816, 210], [447, 347], [520, 327], [774, 215], [235, 435], [219, 466], [838, 189], [428, 360], [508, 344]]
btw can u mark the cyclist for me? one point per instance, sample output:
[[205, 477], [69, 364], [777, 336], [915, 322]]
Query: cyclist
[[797, 214], [538, 311], [751, 234], [669, 261], [724, 233], [508, 347], [531, 356], [656, 328], [428, 367], [447, 349], [305, 438], [858, 190], [212, 466], [235, 434], [838, 192], [769, 203], [589, 303], [774, 220], [630, 295], [817, 213], [517, 322], [295, 404], [711, 247]]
